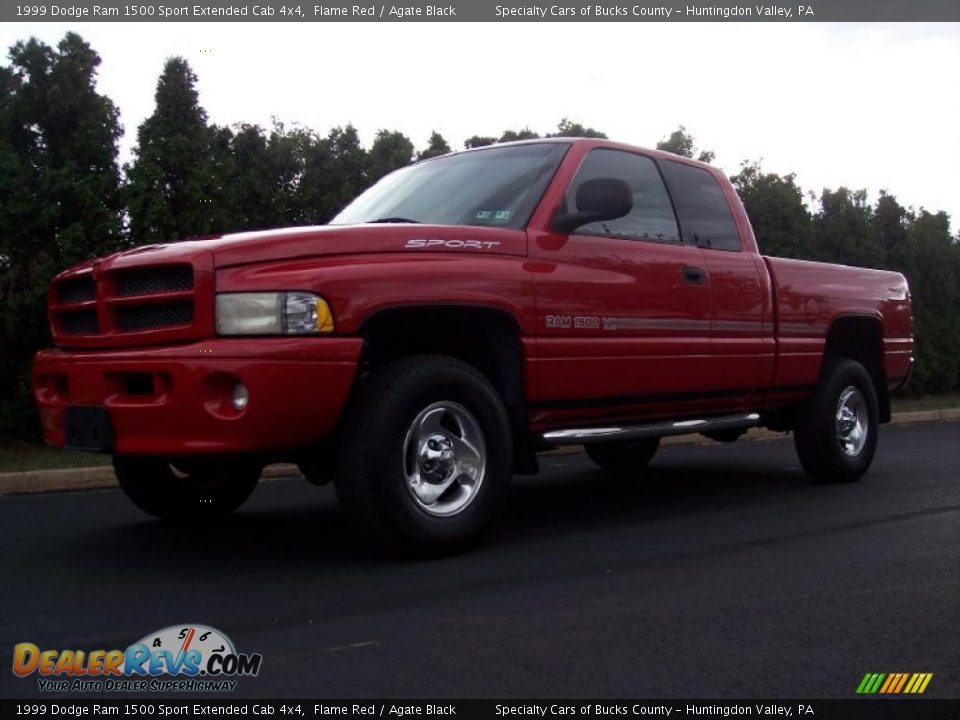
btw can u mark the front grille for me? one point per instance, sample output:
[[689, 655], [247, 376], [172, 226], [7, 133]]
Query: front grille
[[150, 280], [76, 290], [149, 317], [127, 306], [79, 322]]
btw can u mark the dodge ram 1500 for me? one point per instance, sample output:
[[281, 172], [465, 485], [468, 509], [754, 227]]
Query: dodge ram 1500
[[461, 315]]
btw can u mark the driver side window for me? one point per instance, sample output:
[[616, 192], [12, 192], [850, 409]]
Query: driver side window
[[652, 218]]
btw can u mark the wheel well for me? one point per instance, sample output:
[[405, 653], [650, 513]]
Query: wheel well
[[861, 339], [486, 338]]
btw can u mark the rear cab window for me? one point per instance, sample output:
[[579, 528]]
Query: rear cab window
[[705, 216]]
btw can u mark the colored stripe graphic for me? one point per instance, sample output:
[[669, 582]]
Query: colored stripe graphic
[[892, 678], [903, 680], [894, 683]]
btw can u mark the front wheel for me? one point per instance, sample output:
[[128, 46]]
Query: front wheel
[[836, 432], [187, 490], [423, 456]]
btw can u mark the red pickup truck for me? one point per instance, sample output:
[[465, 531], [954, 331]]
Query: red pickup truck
[[463, 314]]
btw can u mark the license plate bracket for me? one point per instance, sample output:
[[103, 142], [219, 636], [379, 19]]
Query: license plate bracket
[[87, 427]]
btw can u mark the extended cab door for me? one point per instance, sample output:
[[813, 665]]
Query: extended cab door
[[742, 334], [622, 307]]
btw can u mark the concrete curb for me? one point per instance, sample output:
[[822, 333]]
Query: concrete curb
[[96, 478], [93, 478]]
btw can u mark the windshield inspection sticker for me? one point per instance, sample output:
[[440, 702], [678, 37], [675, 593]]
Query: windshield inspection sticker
[[436, 243]]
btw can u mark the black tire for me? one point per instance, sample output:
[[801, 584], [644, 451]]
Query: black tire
[[623, 455], [316, 466], [832, 450], [189, 490], [384, 440]]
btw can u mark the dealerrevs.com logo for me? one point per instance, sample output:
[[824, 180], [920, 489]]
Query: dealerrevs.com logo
[[180, 658]]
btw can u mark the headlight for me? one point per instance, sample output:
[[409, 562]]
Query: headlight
[[285, 313]]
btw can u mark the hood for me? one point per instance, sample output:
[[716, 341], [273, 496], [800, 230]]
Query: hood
[[301, 242]]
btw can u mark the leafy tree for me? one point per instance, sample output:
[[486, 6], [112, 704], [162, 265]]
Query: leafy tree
[[680, 142], [261, 173], [776, 210], [437, 146], [844, 230], [512, 135], [566, 128], [935, 285], [478, 141], [891, 221], [350, 164], [390, 151], [59, 193], [224, 206], [334, 172], [175, 183], [241, 158]]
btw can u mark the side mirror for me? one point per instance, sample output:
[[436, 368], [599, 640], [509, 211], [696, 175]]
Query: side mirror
[[599, 199]]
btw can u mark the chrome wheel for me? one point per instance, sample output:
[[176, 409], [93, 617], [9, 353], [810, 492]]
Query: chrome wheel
[[852, 421], [444, 458], [836, 430]]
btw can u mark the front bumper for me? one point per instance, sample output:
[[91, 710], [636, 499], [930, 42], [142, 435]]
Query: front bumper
[[176, 400]]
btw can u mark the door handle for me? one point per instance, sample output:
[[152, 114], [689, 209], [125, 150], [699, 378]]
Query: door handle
[[693, 275]]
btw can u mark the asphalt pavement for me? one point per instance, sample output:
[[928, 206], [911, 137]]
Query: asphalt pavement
[[720, 572]]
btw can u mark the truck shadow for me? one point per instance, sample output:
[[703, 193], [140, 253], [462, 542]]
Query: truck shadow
[[289, 560], [290, 526], [587, 499]]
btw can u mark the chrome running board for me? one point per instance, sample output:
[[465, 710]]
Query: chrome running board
[[577, 436]]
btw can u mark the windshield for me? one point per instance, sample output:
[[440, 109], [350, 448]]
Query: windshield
[[498, 187]]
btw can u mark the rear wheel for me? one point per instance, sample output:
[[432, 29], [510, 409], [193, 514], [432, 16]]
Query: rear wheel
[[190, 489], [623, 455], [423, 457], [836, 433]]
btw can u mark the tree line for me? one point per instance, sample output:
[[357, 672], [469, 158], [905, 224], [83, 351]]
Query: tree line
[[65, 198]]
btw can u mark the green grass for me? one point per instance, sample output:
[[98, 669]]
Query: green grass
[[17, 456], [928, 402]]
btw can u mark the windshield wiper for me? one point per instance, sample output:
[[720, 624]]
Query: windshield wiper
[[394, 220]]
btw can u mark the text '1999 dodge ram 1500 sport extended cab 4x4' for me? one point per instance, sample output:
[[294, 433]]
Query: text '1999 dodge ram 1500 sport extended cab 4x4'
[[456, 318]]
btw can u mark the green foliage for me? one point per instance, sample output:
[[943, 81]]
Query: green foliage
[[59, 194], [334, 172], [680, 142], [566, 128], [174, 181], [932, 264], [844, 231], [513, 135], [437, 146], [478, 141], [390, 151], [892, 220], [776, 210]]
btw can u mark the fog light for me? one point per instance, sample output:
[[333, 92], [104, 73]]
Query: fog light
[[239, 397]]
